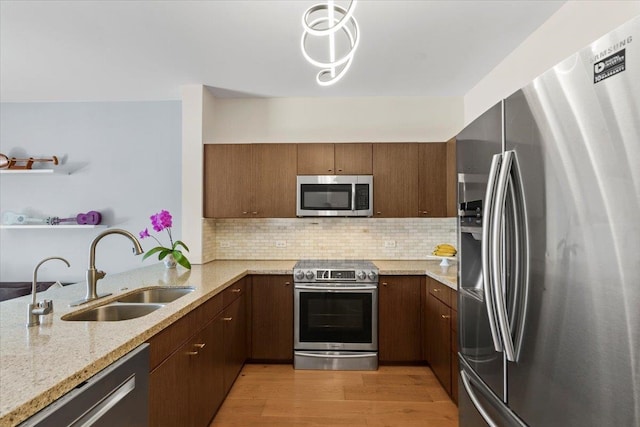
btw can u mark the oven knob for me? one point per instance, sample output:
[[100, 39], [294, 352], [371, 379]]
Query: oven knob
[[361, 275], [299, 274], [372, 276], [309, 275]]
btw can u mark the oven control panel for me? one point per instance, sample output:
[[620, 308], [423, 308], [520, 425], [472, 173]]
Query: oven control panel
[[330, 275]]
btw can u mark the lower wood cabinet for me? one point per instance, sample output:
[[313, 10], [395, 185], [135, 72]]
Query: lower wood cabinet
[[235, 341], [399, 319], [195, 361], [272, 318], [441, 334]]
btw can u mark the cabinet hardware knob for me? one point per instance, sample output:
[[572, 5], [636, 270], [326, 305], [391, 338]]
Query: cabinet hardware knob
[[244, 212], [378, 213], [436, 290], [236, 291], [199, 345], [384, 283], [287, 283], [254, 213], [339, 170], [445, 316], [329, 170], [191, 353], [227, 319]]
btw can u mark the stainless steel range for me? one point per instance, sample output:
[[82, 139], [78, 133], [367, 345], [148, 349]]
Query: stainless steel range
[[335, 315]]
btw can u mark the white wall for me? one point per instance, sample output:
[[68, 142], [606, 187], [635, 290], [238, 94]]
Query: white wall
[[574, 26], [125, 163], [384, 119]]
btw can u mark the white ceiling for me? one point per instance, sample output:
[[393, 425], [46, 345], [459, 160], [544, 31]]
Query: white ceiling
[[145, 50]]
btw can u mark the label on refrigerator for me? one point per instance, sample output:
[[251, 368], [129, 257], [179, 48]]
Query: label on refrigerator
[[609, 66]]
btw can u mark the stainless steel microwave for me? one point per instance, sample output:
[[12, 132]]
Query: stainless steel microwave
[[334, 195]]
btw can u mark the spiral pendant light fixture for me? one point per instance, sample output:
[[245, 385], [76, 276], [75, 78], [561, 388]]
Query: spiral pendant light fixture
[[330, 21]]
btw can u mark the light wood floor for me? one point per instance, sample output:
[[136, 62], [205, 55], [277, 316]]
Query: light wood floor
[[278, 395]]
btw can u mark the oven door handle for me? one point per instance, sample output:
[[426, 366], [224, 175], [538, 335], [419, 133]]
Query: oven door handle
[[332, 289], [336, 356]]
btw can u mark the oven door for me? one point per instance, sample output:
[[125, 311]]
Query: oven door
[[330, 318]]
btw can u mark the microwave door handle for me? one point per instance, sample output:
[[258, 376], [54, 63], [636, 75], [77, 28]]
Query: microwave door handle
[[353, 197]]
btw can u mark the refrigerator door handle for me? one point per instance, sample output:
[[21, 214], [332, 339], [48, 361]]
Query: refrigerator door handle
[[487, 243], [476, 402], [496, 255], [520, 275]]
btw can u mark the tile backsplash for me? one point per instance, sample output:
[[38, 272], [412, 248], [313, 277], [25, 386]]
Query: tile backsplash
[[325, 238]]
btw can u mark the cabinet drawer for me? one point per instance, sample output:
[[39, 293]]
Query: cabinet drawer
[[440, 291], [233, 292]]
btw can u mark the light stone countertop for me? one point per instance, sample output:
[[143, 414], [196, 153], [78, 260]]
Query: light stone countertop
[[430, 267], [40, 364]]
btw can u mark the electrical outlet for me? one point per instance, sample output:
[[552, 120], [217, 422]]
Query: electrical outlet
[[389, 243], [224, 244], [281, 244]]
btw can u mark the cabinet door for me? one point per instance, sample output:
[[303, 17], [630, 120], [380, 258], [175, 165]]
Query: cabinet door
[[315, 159], [169, 383], [433, 180], [395, 180], [272, 318], [227, 180], [206, 373], [235, 341], [274, 180], [399, 319], [452, 179], [439, 335], [353, 159]]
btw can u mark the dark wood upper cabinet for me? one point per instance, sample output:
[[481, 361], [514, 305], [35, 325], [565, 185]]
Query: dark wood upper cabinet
[[395, 180], [249, 180], [452, 179], [400, 319], [315, 159], [274, 181], [432, 180], [353, 159], [227, 180], [335, 159]]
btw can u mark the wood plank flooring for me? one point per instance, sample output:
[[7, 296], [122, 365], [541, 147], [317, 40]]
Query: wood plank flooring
[[278, 395]]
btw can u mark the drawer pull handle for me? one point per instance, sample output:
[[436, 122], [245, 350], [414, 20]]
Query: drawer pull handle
[[287, 283], [385, 284], [199, 345], [436, 290], [445, 316], [192, 353], [227, 319], [236, 291]]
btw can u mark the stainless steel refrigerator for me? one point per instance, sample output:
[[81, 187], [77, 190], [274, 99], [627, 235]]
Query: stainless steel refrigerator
[[549, 239]]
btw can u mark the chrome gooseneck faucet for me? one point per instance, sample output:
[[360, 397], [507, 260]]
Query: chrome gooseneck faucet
[[94, 275], [36, 309]]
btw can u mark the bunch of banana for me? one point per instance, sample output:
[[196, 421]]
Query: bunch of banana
[[445, 249]]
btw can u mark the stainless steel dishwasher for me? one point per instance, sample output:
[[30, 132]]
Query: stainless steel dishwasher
[[116, 396]]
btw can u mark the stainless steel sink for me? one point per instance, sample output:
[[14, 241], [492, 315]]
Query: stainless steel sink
[[156, 295], [113, 312]]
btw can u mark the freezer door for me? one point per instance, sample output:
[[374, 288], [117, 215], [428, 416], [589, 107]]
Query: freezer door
[[576, 131], [478, 406], [476, 146]]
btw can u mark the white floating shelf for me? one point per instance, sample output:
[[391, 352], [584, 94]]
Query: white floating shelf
[[36, 171], [51, 226]]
